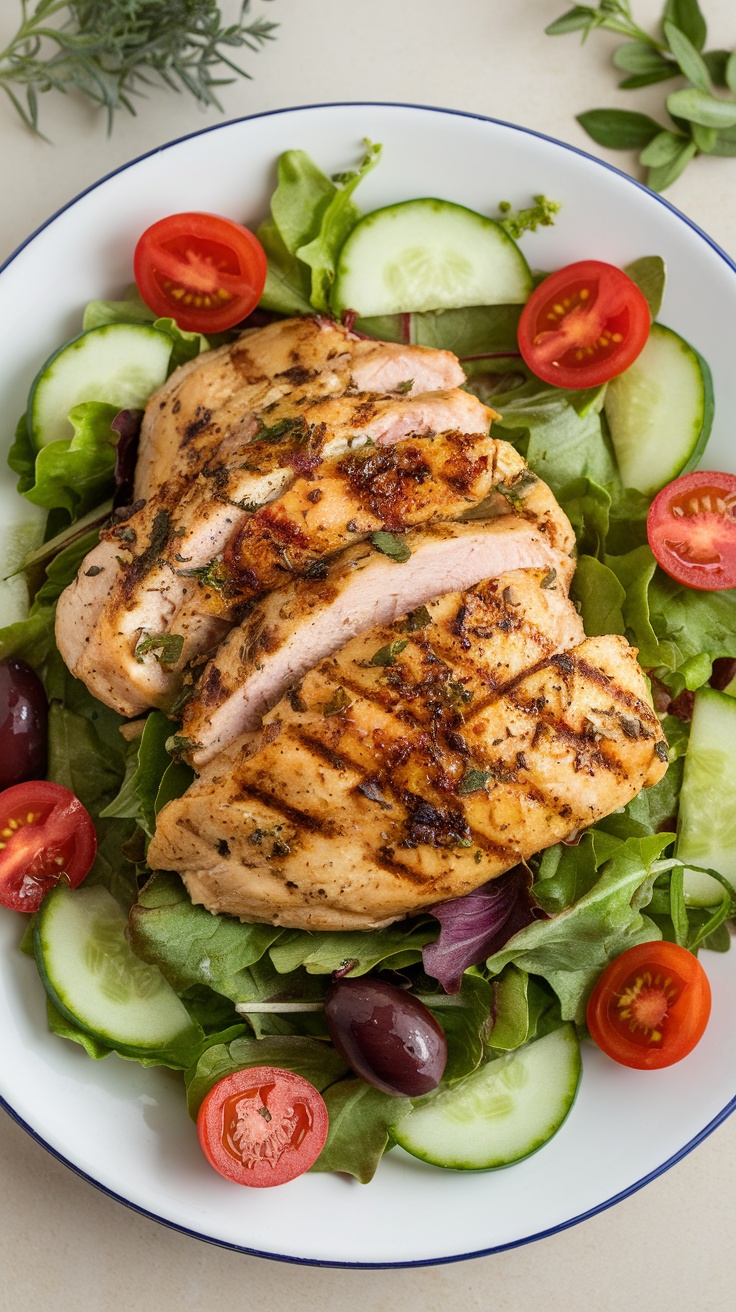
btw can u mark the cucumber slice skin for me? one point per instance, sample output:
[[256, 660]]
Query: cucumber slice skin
[[520, 1102], [120, 364], [660, 412], [389, 261], [92, 976], [707, 815]]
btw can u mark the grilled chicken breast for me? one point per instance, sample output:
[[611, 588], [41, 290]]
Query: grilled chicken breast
[[211, 404], [291, 630], [132, 585], [415, 764]]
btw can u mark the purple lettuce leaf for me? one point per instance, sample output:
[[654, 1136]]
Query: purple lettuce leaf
[[127, 424], [473, 927]]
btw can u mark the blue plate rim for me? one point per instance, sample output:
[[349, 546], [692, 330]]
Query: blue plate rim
[[731, 1106]]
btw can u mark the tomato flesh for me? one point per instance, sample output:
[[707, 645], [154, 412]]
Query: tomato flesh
[[691, 528], [204, 271], [583, 325], [262, 1126], [46, 835], [650, 1006]]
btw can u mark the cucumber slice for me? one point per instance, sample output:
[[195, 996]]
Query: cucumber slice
[[706, 827], [502, 1112], [660, 412], [95, 979], [21, 530], [14, 600], [428, 255], [120, 364]]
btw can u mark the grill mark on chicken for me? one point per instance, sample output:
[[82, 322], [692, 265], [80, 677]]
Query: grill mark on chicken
[[298, 819], [621, 695], [314, 747], [197, 426]]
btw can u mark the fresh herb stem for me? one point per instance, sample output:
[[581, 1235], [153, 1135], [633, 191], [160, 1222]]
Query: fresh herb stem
[[111, 50], [701, 122], [283, 1008]]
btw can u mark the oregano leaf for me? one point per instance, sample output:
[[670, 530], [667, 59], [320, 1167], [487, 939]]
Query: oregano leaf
[[687, 15], [619, 129], [689, 60]]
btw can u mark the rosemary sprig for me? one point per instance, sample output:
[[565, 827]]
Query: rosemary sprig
[[112, 50], [702, 122]]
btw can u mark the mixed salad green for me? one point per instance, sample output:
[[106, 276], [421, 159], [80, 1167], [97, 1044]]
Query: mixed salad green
[[542, 942]]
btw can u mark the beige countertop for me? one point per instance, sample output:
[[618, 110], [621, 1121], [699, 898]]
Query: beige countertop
[[65, 1246]]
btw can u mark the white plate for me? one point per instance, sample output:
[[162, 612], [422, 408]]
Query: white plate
[[125, 1128]]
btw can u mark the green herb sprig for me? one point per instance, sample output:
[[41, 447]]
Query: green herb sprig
[[112, 50], [702, 122]]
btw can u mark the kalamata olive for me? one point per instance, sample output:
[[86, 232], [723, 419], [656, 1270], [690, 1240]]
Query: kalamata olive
[[390, 1039], [23, 715]]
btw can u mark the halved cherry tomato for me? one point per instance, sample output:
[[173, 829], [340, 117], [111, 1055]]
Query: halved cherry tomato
[[583, 325], [262, 1126], [691, 528], [650, 1006], [45, 835], [206, 272]]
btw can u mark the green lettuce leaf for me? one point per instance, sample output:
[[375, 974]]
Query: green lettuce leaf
[[288, 281], [599, 596], [191, 946], [679, 631], [523, 1009], [147, 763], [572, 948], [479, 330], [75, 474], [311, 217], [322, 953], [32, 639], [466, 1022], [360, 1121], [317, 1062], [337, 221], [560, 442], [133, 309]]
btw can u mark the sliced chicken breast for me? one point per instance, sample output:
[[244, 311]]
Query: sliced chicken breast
[[292, 630], [213, 402], [397, 778]]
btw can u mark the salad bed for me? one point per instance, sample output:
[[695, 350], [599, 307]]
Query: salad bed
[[542, 936]]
